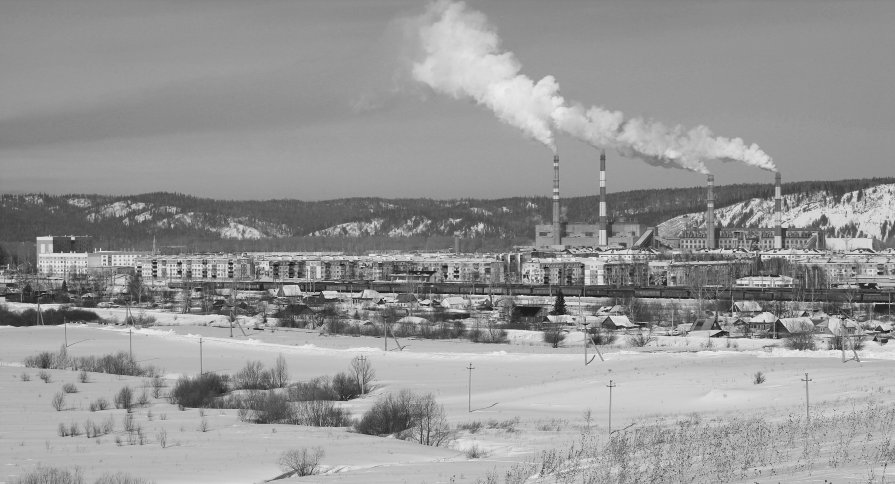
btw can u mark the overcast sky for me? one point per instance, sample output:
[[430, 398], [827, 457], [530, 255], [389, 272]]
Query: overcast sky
[[297, 99]]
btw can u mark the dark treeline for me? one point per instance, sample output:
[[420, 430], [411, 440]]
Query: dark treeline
[[184, 222]]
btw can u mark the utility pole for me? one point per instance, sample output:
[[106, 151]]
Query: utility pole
[[200, 357], [611, 386], [130, 343], [65, 326], [470, 368], [807, 413]]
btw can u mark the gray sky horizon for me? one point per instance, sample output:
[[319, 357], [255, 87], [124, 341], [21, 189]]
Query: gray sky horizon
[[304, 99]]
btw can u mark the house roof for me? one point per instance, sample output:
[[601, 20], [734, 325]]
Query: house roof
[[290, 290], [616, 320], [406, 298], [797, 325], [764, 317], [746, 306], [706, 324]]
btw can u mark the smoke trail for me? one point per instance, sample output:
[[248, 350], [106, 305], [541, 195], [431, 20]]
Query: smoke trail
[[462, 58], [655, 143]]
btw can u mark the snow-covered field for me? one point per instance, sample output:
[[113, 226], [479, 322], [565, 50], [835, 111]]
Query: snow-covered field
[[548, 389]]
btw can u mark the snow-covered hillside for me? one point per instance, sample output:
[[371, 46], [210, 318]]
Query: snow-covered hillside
[[869, 212]]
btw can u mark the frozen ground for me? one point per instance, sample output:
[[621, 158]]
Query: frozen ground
[[547, 389]]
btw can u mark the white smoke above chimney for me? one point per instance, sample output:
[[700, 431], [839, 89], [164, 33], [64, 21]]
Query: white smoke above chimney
[[461, 57]]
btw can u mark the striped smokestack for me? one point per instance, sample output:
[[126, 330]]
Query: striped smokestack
[[778, 213], [710, 214], [601, 222], [557, 236]]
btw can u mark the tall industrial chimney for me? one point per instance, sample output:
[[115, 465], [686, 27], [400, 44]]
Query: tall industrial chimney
[[601, 222], [710, 214], [557, 235], [778, 213]]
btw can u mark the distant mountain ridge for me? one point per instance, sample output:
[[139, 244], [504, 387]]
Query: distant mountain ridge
[[134, 220]]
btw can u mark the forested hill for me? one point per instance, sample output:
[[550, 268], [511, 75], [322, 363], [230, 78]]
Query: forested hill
[[171, 218]]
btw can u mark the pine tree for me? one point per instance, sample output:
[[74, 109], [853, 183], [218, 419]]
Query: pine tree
[[559, 306]]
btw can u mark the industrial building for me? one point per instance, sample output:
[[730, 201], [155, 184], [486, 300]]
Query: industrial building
[[779, 237], [561, 234]]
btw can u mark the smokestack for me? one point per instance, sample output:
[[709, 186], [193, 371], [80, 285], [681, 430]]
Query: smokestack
[[710, 214], [557, 236], [778, 213], [601, 222]]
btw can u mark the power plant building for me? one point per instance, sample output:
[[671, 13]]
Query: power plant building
[[778, 237]]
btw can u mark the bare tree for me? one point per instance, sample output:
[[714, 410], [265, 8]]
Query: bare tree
[[430, 425], [280, 372], [302, 461], [363, 373]]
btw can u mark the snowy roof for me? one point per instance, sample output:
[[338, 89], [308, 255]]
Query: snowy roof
[[290, 290], [764, 317], [617, 321], [564, 319], [454, 301], [797, 325], [370, 294], [839, 325], [746, 306]]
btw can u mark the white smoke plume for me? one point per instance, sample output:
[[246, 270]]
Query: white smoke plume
[[461, 57]]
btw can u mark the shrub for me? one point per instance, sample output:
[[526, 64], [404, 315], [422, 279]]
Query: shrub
[[321, 413], [121, 478], [83, 376], [390, 414], [758, 378], [491, 335], [839, 342], [44, 360], [99, 404], [199, 391], [639, 339], [25, 376], [409, 415], [554, 335], [124, 399], [301, 461], [317, 389], [45, 376], [117, 364], [476, 452], [69, 388], [144, 399], [50, 475], [270, 407], [157, 383], [58, 401], [800, 341], [602, 336], [253, 376], [345, 386], [471, 427]]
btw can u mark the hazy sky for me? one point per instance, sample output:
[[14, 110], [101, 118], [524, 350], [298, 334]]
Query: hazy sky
[[296, 99]]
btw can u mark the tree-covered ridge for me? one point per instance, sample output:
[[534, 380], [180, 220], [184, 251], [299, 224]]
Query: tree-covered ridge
[[133, 221]]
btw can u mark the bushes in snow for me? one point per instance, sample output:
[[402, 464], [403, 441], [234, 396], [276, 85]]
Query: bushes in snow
[[198, 391], [408, 415]]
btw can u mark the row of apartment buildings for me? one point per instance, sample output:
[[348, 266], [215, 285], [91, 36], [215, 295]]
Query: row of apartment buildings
[[62, 256]]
